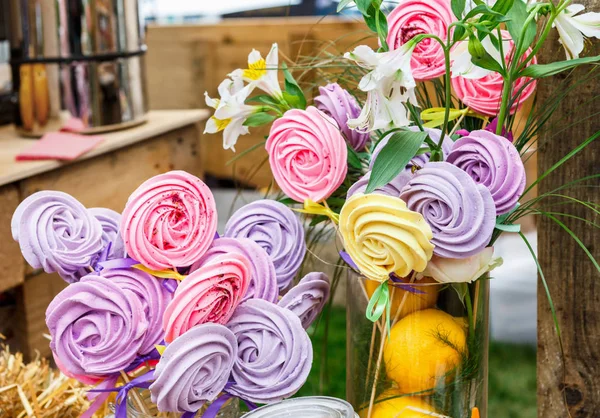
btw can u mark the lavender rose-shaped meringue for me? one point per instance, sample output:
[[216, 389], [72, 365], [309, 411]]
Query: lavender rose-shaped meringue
[[194, 368], [421, 159], [110, 221], [337, 103], [461, 213], [274, 352], [152, 296], [493, 161], [308, 297], [276, 228], [263, 280], [97, 327], [393, 188], [57, 233]]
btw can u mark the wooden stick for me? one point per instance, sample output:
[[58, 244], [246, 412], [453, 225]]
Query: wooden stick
[[476, 304], [377, 368], [371, 349], [136, 396]]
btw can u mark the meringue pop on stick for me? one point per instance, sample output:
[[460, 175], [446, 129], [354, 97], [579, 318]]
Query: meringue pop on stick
[[308, 297], [57, 233], [277, 229], [169, 221]]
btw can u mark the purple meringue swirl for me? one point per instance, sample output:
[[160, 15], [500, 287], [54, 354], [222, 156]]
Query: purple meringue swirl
[[263, 280], [110, 221], [393, 188], [194, 368], [419, 160], [277, 229], [461, 213], [97, 327], [341, 106], [308, 297], [493, 161], [57, 233], [152, 296], [274, 352]]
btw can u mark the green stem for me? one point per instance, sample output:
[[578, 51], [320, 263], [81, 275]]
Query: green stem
[[448, 96], [469, 306], [506, 91]]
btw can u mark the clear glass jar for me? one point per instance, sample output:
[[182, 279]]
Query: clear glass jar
[[306, 407], [433, 361], [231, 408]]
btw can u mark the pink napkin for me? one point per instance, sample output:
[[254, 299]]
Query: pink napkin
[[60, 146]]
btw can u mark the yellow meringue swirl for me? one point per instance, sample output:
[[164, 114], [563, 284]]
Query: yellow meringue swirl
[[382, 236]]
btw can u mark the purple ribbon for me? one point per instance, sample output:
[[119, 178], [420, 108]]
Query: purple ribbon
[[346, 257], [117, 263], [170, 285], [217, 236], [400, 282], [214, 408], [144, 381], [152, 355]]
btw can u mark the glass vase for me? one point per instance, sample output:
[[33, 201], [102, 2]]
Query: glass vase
[[432, 358], [139, 405], [306, 407]]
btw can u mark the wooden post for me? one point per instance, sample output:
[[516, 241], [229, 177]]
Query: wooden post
[[573, 388]]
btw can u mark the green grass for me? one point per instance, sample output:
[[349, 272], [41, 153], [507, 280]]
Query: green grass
[[512, 390]]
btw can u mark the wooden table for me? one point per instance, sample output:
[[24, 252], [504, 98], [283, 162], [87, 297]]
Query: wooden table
[[104, 177]]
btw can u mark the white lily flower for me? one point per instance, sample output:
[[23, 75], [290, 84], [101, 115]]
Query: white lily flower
[[462, 65], [387, 69], [264, 73], [389, 85], [230, 111], [380, 112], [573, 28]]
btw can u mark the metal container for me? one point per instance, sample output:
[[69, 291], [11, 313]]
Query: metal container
[[77, 64]]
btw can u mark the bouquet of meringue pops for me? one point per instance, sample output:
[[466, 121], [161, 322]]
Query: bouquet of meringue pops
[[413, 153], [158, 300]]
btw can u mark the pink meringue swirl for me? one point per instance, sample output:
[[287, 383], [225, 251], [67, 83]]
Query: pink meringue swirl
[[493, 161], [307, 154], [263, 279], [209, 294], [194, 368], [484, 95], [460, 212], [415, 17], [97, 327], [169, 221]]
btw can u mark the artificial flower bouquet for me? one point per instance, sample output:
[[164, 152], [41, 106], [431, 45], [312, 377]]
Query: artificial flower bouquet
[[157, 300], [413, 153]]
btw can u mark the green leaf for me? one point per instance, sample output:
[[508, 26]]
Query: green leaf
[[342, 5], [459, 33], [353, 158], [458, 7], [461, 290], [264, 98], [481, 9], [517, 16], [377, 22], [363, 6], [546, 70], [503, 6], [481, 57], [394, 156], [293, 94], [509, 227], [259, 119]]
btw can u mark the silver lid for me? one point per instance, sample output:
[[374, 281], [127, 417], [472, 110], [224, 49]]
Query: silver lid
[[307, 407]]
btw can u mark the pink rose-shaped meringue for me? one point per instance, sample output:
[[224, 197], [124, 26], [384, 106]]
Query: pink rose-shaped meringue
[[484, 95], [169, 221], [209, 294], [307, 154], [415, 17], [493, 161]]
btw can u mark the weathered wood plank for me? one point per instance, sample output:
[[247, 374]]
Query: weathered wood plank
[[573, 388], [12, 265]]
